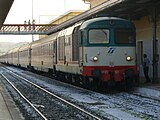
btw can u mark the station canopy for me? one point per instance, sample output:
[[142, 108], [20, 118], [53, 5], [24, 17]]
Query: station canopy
[[133, 9], [5, 6], [129, 9]]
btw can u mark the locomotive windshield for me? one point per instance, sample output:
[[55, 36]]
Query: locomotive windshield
[[124, 36], [98, 36]]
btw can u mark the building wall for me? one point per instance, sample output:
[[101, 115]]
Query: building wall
[[144, 36], [144, 28], [96, 2], [66, 16], [63, 18]]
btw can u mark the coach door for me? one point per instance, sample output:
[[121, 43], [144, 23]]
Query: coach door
[[29, 56], [81, 54], [61, 52], [54, 52], [75, 44]]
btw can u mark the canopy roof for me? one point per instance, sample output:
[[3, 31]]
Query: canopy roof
[[5, 6], [129, 9]]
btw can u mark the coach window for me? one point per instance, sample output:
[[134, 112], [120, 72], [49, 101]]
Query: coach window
[[69, 40], [98, 36], [66, 41], [48, 49]]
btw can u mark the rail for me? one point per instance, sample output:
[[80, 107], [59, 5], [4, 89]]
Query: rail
[[23, 96]]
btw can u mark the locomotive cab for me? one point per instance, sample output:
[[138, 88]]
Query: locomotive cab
[[107, 50]]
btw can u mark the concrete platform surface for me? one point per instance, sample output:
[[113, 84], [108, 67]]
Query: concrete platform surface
[[149, 90], [8, 109]]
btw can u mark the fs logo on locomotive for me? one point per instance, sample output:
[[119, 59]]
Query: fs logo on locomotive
[[111, 50]]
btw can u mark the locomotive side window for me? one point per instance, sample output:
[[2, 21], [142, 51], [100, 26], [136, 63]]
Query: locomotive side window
[[124, 36], [98, 36]]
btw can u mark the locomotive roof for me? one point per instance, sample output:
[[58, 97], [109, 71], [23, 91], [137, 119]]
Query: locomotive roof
[[90, 21], [69, 30]]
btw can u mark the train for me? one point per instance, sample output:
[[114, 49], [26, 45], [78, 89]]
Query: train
[[96, 52]]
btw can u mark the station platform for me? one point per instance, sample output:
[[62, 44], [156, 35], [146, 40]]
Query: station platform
[[8, 109], [149, 90]]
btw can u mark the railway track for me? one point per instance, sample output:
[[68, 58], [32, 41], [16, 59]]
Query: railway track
[[66, 109], [23, 97], [109, 106]]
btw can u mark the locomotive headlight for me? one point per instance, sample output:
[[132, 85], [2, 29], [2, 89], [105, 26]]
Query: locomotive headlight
[[95, 58], [128, 58]]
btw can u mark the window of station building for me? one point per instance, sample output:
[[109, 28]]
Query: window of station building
[[98, 36]]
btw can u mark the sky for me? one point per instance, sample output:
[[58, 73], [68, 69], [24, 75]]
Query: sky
[[43, 12]]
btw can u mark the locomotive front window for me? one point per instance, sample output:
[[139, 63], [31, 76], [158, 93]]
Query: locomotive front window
[[124, 36], [98, 36]]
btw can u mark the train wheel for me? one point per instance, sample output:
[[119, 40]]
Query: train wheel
[[80, 80], [102, 86], [61, 76], [128, 86], [97, 84], [120, 86], [73, 79], [137, 80], [87, 83], [77, 80], [66, 78]]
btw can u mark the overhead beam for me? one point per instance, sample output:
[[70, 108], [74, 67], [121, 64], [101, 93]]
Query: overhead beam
[[23, 29]]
